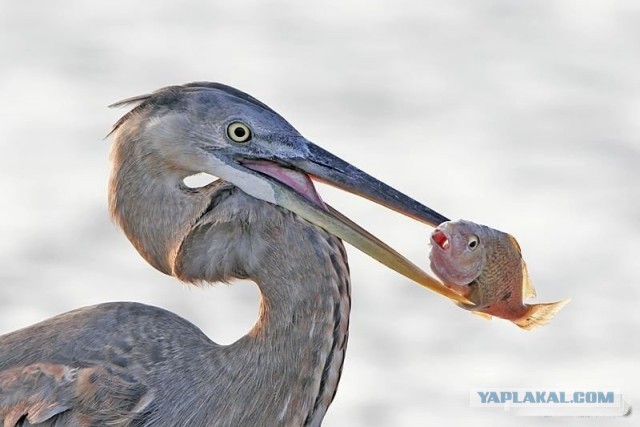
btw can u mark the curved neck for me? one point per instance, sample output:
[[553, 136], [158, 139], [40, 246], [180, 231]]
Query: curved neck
[[218, 233], [151, 203], [307, 329], [298, 344]]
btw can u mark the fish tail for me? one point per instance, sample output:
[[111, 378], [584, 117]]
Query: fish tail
[[539, 314]]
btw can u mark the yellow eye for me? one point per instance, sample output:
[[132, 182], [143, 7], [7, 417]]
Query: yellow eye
[[239, 132], [473, 242]]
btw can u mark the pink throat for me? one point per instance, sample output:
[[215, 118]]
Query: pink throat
[[296, 180]]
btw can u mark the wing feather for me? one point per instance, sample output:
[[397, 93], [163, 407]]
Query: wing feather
[[41, 393]]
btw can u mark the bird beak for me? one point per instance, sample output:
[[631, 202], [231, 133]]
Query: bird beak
[[300, 197], [332, 170]]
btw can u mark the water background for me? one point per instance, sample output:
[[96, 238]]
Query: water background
[[521, 115]]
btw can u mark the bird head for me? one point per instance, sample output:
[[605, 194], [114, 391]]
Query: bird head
[[221, 131]]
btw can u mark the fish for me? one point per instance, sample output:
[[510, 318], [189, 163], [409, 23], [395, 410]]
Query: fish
[[485, 266]]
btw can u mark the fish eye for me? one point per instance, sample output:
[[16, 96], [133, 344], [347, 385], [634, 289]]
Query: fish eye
[[238, 132], [473, 242]]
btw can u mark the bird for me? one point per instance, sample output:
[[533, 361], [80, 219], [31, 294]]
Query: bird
[[131, 364]]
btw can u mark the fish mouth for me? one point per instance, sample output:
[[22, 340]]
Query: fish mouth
[[440, 239]]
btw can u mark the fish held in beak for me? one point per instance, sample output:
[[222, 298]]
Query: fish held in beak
[[486, 266]]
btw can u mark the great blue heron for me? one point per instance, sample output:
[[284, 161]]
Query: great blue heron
[[132, 364]]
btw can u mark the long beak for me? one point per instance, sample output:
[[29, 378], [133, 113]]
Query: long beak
[[332, 170], [324, 166]]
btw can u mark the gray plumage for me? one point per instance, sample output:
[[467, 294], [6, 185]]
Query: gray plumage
[[142, 349], [126, 363]]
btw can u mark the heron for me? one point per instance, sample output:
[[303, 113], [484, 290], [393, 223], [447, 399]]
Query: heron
[[130, 364]]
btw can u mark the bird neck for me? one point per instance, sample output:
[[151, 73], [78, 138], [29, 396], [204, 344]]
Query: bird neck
[[218, 233], [151, 204], [297, 346], [299, 342], [309, 331]]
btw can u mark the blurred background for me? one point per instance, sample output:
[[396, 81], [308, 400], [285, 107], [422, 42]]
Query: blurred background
[[520, 115]]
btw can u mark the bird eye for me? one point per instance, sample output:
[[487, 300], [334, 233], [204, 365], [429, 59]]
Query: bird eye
[[239, 132], [473, 242]]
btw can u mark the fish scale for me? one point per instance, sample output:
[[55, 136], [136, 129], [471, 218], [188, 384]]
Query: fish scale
[[486, 266]]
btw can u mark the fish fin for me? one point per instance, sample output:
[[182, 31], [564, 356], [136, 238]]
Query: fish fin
[[528, 290], [464, 290], [540, 314], [464, 306], [474, 310], [483, 315], [514, 242]]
